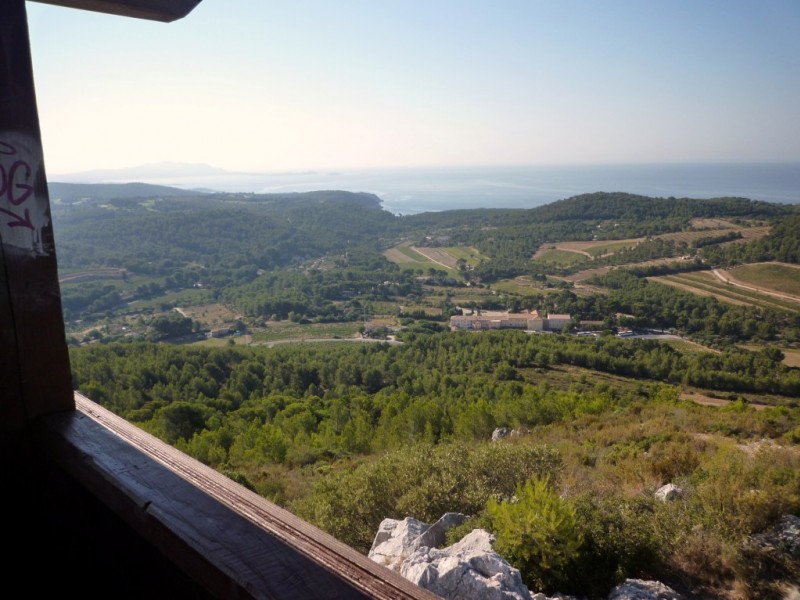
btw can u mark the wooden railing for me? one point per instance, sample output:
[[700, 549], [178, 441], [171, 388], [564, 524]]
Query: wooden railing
[[232, 541]]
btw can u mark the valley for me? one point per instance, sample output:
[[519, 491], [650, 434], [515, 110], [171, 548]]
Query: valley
[[202, 321]]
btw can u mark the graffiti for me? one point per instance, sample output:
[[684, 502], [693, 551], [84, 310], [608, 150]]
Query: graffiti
[[16, 193], [23, 215]]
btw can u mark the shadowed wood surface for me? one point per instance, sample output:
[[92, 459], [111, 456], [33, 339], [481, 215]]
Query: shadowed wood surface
[[154, 10], [232, 540], [33, 350]]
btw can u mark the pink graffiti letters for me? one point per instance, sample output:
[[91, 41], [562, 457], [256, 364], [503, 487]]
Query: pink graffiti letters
[[8, 185], [14, 186]]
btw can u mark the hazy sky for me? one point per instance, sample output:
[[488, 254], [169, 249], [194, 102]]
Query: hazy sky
[[260, 85]]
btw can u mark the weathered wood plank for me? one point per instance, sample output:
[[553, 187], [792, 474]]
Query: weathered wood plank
[[153, 10], [217, 531]]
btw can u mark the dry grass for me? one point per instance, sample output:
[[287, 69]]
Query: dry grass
[[211, 315], [702, 223], [704, 400]]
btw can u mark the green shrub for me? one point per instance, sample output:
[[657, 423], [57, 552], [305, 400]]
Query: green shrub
[[537, 533], [618, 542], [423, 482]]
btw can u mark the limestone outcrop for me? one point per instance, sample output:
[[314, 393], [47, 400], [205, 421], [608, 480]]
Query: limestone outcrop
[[784, 536], [639, 589], [467, 570], [470, 569], [669, 492]]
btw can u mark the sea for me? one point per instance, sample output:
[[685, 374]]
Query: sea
[[410, 191]]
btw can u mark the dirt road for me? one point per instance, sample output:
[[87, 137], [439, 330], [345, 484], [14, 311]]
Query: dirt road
[[725, 278]]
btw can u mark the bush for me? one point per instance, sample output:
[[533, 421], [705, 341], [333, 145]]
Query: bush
[[537, 533], [618, 542], [423, 482]]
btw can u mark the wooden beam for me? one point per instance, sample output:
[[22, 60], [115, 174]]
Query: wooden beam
[[33, 348], [233, 541], [165, 11]]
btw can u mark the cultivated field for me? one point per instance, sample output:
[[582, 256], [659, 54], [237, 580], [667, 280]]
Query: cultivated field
[[778, 277], [287, 330], [594, 249], [711, 223], [571, 253], [554, 255], [91, 275], [211, 316], [409, 256], [438, 256], [706, 284], [748, 234]]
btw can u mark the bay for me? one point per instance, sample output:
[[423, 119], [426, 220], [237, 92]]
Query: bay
[[410, 191]]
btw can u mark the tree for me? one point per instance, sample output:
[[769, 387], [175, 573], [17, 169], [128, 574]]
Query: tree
[[536, 531]]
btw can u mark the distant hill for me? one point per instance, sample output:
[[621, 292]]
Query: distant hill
[[143, 172], [71, 192], [224, 231]]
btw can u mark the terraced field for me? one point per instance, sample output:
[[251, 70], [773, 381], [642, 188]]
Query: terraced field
[[748, 234], [592, 249], [557, 256], [778, 277], [706, 284], [438, 256], [92, 275], [409, 256]]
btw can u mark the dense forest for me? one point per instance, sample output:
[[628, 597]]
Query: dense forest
[[400, 423]]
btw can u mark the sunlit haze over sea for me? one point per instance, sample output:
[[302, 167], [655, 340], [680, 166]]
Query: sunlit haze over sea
[[410, 191]]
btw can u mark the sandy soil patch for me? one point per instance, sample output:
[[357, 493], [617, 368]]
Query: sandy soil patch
[[709, 401]]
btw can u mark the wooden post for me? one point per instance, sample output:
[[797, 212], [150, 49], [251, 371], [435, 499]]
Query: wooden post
[[34, 362]]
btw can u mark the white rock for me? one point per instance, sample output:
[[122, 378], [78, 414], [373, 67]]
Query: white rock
[[639, 589], [394, 541], [500, 433], [468, 570], [669, 492], [783, 535]]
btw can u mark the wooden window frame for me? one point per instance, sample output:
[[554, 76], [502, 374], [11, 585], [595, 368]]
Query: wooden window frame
[[229, 540]]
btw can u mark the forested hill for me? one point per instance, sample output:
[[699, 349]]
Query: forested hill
[[309, 199], [224, 231], [511, 237], [74, 192], [603, 206], [619, 205], [156, 234]]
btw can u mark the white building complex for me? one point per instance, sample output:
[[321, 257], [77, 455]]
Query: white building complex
[[528, 321]]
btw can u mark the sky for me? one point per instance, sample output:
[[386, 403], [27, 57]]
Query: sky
[[265, 86]]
